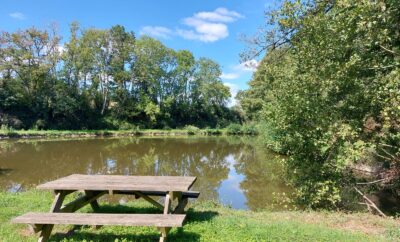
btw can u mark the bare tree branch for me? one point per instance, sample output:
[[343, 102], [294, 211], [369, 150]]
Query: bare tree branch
[[370, 203]]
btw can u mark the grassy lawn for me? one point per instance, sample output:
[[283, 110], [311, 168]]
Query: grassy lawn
[[205, 222]]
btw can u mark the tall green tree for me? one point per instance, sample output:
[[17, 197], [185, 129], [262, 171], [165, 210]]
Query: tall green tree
[[105, 78]]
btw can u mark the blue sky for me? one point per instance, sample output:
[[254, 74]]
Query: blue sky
[[209, 28]]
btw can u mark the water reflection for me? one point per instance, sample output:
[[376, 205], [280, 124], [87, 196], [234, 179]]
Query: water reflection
[[232, 170]]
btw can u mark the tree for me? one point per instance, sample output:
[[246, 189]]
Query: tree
[[328, 93], [105, 78], [28, 71]]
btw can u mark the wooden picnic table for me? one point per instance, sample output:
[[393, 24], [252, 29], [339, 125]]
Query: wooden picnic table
[[94, 186]]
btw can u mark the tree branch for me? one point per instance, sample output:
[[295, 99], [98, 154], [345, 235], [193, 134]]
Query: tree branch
[[372, 182], [370, 203], [390, 51]]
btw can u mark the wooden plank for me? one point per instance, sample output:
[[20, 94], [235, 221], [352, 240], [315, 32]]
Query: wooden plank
[[180, 208], [188, 194], [150, 200], [148, 193], [46, 229], [157, 220], [57, 202], [167, 204], [81, 202], [94, 204], [164, 231], [121, 183]]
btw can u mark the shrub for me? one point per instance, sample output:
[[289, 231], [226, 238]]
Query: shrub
[[40, 124], [250, 129], [124, 125], [234, 129], [213, 132], [11, 121], [191, 129]]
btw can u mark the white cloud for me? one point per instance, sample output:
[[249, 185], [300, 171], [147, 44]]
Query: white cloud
[[208, 26], [156, 31], [238, 70], [250, 65], [202, 26], [219, 15], [204, 31], [229, 76], [17, 15], [234, 89]]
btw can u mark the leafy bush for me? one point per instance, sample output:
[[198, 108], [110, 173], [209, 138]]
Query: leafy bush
[[8, 130], [249, 129], [213, 132], [124, 125], [191, 129], [11, 121], [40, 124], [234, 129]]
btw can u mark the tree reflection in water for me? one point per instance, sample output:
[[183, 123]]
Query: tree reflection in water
[[263, 173], [32, 162]]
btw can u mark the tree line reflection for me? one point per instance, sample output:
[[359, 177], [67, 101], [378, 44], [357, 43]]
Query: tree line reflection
[[32, 162]]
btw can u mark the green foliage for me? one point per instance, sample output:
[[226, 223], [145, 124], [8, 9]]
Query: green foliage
[[39, 124], [213, 131], [249, 129], [328, 93], [191, 129], [234, 129], [126, 126], [104, 77], [245, 129]]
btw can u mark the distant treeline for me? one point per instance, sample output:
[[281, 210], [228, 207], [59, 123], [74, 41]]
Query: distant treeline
[[106, 79]]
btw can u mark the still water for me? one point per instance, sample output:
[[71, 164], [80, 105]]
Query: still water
[[236, 171]]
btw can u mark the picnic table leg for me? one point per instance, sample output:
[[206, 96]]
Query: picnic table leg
[[167, 204], [55, 207], [182, 202], [164, 231], [180, 208], [94, 204]]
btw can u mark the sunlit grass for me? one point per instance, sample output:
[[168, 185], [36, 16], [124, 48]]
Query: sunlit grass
[[206, 221]]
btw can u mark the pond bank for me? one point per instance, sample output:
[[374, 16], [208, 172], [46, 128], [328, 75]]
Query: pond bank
[[207, 221], [28, 134]]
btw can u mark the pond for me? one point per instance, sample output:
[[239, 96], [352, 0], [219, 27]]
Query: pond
[[236, 171]]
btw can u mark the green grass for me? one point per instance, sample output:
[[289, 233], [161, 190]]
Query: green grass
[[6, 132], [10, 133], [205, 222]]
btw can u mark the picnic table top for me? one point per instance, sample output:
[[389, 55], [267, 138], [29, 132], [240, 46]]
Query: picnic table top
[[120, 183]]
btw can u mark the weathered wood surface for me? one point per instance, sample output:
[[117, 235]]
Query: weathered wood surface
[[157, 220], [120, 183], [81, 201], [149, 199], [188, 194], [45, 229]]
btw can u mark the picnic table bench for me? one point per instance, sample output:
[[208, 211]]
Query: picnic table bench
[[94, 186]]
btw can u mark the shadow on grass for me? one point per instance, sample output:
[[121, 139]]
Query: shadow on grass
[[4, 171], [178, 234], [199, 216]]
